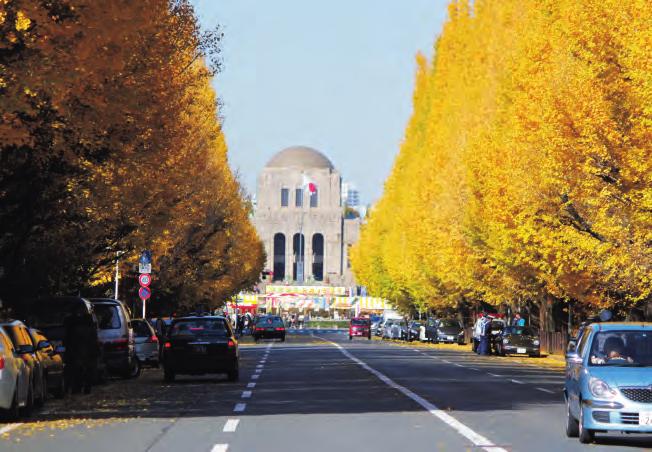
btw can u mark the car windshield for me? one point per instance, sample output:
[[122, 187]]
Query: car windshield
[[359, 322], [199, 327], [141, 329], [267, 322], [622, 348], [449, 323], [108, 317], [519, 330]]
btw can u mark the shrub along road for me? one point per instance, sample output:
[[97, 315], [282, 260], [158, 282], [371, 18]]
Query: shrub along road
[[321, 393]]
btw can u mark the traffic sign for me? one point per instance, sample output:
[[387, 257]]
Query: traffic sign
[[144, 268], [145, 279], [144, 293], [145, 257]]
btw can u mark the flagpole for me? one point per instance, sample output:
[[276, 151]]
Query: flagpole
[[300, 263]]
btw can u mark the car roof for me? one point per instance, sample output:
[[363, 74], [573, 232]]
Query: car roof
[[198, 317], [105, 301], [613, 326], [13, 323]]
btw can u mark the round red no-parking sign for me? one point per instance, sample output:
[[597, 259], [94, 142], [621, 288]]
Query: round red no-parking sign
[[145, 279], [144, 293]]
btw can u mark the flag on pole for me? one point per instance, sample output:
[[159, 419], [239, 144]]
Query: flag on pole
[[309, 185]]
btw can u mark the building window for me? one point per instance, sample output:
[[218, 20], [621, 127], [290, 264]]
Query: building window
[[298, 249], [279, 257], [314, 199], [285, 197], [318, 257], [299, 197]]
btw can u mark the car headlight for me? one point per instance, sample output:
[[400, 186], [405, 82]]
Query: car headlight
[[505, 341], [535, 342], [600, 389]]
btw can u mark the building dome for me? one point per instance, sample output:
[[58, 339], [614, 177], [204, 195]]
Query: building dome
[[299, 157]]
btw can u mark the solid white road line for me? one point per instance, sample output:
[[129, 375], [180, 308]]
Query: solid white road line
[[518, 382], [545, 390], [458, 365], [494, 375], [445, 361], [239, 407], [477, 439], [246, 394], [9, 427], [220, 448], [255, 377], [231, 425]]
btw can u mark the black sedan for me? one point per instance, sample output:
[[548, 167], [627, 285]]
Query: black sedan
[[269, 327], [449, 331], [200, 345], [517, 340]]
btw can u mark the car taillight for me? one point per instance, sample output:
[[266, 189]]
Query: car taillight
[[231, 343], [260, 329], [280, 329], [119, 344], [167, 345], [2, 362], [153, 339]]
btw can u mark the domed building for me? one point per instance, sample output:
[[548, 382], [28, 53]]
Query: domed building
[[300, 218]]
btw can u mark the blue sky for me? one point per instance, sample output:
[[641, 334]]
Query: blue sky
[[336, 75]]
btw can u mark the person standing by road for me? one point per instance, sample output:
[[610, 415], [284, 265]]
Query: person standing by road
[[518, 321], [477, 333], [484, 335]]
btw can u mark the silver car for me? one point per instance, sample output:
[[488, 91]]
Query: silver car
[[14, 381], [147, 345]]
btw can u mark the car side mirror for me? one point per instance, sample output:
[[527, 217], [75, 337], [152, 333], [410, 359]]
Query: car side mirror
[[42, 345], [572, 347], [573, 358]]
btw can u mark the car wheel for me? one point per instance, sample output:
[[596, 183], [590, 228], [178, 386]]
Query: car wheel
[[500, 351], [586, 436], [27, 410], [535, 355], [168, 375], [60, 391], [283, 339], [233, 375], [350, 337], [135, 370], [572, 426]]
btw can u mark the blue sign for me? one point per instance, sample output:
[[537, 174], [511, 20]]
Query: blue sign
[[146, 257]]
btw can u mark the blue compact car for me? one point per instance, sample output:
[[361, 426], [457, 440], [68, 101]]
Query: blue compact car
[[609, 380]]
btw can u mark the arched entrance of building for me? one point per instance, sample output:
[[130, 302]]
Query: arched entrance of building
[[299, 251], [279, 257], [318, 257]]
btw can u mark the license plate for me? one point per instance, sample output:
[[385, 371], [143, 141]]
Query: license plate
[[521, 350], [645, 418], [450, 338], [199, 349]]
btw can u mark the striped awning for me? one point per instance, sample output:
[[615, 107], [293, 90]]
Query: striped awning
[[373, 303]]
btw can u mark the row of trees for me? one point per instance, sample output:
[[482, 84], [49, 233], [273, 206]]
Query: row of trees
[[525, 174], [110, 143]]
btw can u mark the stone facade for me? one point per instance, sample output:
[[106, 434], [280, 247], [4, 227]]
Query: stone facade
[[284, 208]]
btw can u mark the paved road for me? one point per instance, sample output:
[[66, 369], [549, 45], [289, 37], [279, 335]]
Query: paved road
[[321, 393]]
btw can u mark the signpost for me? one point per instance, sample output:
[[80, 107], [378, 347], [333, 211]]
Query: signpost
[[145, 278]]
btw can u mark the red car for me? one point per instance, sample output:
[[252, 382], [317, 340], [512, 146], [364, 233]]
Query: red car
[[360, 327]]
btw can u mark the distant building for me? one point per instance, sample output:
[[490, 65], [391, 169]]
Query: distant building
[[350, 195], [305, 235]]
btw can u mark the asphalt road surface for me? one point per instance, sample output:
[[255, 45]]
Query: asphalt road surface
[[320, 392]]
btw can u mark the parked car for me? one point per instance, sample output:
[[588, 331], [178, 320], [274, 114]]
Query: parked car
[[49, 315], [607, 386], [16, 395], [25, 348], [375, 327], [200, 345], [52, 363], [449, 331], [117, 337], [431, 329], [359, 327], [410, 331], [386, 332], [147, 343], [269, 327], [518, 340]]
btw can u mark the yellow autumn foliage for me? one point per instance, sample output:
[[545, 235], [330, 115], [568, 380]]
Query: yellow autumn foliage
[[526, 171]]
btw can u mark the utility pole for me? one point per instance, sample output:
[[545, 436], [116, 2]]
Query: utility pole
[[117, 275]]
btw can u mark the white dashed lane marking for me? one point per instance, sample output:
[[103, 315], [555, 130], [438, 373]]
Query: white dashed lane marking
[[518, 382], [231, 425], [251, 385], [220, 448], [259, 366], [239, 407], [246, 394], [545, 390], [258, 371], [255, 377]]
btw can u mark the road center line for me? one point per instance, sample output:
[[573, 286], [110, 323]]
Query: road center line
[[545, 390], [246, 394], [494, 375], [220, 448], [255, 377], [231, 425], [251, 385], [518, 382], [477, 439], [259, 366], [239, 407]]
